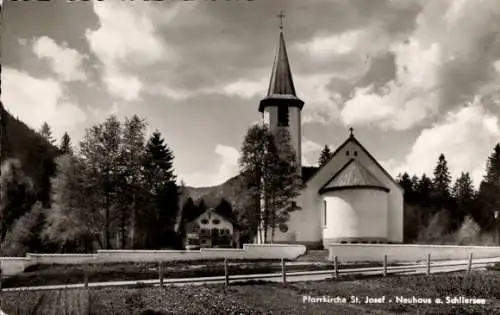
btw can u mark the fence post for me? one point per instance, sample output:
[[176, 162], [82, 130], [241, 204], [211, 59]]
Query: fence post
[[160, 272], [226, 273], [336, 267], [283, 270], [469, 267], [428, 264], [385, 265], [85, 277]]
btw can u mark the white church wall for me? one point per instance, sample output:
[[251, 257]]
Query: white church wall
[[359, 213], [271, 115], [395, 196], [303, 227]]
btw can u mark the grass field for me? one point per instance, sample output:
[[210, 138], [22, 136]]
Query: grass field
[[68, 274], [269, 298]]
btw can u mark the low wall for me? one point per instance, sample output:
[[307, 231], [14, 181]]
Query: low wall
[[63, 259], [13, 265], [407, 252], [256, 251], [274, 251], [104, 256]]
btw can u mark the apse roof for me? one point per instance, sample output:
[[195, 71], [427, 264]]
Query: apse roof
[[353, 175]]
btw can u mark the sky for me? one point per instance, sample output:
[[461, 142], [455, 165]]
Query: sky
[[415, 78]]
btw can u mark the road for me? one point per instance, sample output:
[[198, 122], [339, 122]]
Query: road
[[420, 268]]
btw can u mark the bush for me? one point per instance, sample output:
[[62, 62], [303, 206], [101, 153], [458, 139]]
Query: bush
[[24, 235], [469, 233]]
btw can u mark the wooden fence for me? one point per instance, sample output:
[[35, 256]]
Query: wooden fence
[[335, 272]]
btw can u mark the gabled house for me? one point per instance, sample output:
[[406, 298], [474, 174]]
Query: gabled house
[[211, 229]]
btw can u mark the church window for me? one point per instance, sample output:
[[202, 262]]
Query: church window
[[204, 221], [283, 116], [347, 153], [324, 213], [355, 153], [215, 221]]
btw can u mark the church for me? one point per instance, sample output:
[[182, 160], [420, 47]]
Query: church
[[351, 199]]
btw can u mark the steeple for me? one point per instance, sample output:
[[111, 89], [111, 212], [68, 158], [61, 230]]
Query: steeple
[[281, 76], [281, 108], [281, 85]]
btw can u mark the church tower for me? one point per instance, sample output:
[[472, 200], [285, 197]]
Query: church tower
[[281, 107]]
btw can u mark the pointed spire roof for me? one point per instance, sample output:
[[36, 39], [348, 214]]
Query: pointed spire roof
[[281, 85], [281, 77], [353, 175]]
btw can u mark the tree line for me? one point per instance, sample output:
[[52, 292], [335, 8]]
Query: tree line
[[118, 190], [439, 210]]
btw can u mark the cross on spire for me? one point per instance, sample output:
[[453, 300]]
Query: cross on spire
[[281, 16], [351, 130]]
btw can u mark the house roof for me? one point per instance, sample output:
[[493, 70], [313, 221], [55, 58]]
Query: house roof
[[352, 138], [353, 175], [214, 210]]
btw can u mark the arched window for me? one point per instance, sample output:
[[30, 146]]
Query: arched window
[[355, 153], [347, 153], [204, 221], [215, 221]]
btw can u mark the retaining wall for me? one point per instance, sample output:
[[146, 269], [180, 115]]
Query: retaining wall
[[407, 252]]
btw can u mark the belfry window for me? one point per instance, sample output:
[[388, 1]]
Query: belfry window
[[283, 116]]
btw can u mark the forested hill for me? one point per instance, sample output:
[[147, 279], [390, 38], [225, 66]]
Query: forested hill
[[229, 190], [34, 152]]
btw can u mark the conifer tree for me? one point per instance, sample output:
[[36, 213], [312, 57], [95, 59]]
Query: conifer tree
[[441, 183], [489, 190], [46, 132], [65, 146], [324, 156], [405, 182], [161, 185], [463, 193]]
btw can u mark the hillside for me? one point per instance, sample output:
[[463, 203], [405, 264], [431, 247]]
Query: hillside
[[23, 143], [229, 189]]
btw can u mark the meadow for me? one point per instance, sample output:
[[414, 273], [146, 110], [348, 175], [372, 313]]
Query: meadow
[[269, 298]]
